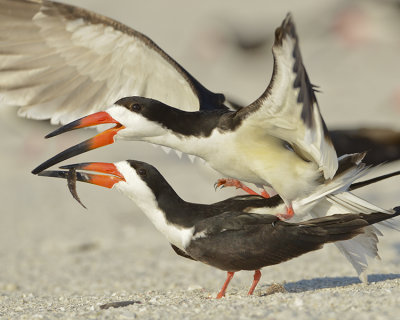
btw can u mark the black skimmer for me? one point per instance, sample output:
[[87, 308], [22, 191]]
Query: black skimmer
[[227, 235], [60, 62], [280, 140]]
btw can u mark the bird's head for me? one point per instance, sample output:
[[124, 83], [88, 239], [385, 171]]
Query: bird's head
[[135, 179], [135, 118]]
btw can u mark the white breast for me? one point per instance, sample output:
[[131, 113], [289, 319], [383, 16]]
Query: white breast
[[250, 155]]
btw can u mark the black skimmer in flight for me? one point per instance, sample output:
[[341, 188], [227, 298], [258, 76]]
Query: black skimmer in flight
[[280, 140], [60, 62], [227, 234]]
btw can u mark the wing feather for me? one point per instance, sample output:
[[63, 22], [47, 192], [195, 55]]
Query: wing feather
[[288, 109], [56, 59]]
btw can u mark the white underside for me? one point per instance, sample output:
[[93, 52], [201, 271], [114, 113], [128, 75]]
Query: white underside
[[260, 160]]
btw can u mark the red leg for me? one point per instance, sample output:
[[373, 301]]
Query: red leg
[[223, 289], [265, 194], [239, 185], [257, 276], [288, 215]]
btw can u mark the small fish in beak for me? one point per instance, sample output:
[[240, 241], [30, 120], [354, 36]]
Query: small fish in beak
[[110, 177], [71, 178]]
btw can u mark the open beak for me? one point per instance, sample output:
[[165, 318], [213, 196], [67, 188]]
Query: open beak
[[102, 139], [107, 180]]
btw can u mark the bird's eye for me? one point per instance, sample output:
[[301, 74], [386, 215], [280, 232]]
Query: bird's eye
[[136, 107], [142, 172]]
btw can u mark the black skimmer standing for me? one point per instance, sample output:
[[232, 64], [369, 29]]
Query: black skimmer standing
[[226, 235], [280, 140]]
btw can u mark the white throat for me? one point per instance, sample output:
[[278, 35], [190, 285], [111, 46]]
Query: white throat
[[136, 125], [139, 192]]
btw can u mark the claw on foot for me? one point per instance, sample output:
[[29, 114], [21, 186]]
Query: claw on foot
[[265, 194], [228, 182], [288, 215]]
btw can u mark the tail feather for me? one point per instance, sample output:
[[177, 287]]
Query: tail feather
[[357, 255], [349, 202], [338, 224], [312, 234], [363, 246], [334, 198], [378, 217], [353, 204], [350, 170]]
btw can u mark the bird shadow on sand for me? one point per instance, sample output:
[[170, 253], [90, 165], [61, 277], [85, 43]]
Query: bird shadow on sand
[[330, 282]]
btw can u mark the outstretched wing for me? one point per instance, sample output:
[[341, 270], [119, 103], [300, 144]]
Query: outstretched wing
[[61, 62], [288, 109]]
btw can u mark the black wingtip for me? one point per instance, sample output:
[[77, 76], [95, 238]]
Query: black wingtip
[[288, 20], [287, 27]]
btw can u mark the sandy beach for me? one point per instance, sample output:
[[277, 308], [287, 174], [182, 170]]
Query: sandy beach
[[60, 261]]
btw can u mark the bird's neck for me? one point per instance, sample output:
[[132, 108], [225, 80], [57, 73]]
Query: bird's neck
[[189, 132], [177, 212], [165, 209]]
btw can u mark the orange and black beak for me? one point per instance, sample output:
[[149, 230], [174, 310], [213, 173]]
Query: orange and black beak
[[107, 180], [102, 139]]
